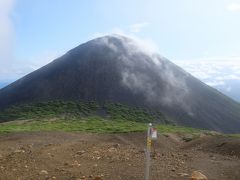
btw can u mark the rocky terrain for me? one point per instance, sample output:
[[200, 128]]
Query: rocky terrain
[[61, 155]]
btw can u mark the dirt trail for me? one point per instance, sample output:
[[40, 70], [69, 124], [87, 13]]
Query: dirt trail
[[58, 155]]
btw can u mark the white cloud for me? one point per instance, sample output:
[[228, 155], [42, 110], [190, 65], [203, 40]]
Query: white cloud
[[135, 28], [6, 40], [229, 77], [146, 44], [215, 83], [228, 89], [18, 69], [6, 30], [115, 30], [234, 7], [214, 71]]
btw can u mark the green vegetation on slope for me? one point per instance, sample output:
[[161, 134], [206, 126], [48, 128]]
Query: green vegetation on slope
[[93, 124], [85, 117], [78, 110], [48, 110], [234, 135]]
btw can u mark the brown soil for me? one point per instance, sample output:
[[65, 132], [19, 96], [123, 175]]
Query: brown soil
[[58, 155]]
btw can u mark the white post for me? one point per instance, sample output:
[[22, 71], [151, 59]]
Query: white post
[[147, 153]]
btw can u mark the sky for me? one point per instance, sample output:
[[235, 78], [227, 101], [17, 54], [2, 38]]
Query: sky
[[201, 36]]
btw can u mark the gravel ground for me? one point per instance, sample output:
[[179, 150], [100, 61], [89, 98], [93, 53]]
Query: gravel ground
[[60, 155]]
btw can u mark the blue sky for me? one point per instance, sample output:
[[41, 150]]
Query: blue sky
[[202, 36]]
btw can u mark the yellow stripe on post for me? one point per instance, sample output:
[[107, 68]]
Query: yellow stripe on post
[[149, 142]]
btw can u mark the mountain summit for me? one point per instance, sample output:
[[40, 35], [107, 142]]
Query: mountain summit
[[118, 69]]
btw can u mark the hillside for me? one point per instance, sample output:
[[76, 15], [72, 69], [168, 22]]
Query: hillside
[[78, 110], [84, 117], [69, 140], [116, 69]]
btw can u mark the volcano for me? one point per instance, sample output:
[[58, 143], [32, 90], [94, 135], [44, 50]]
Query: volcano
[[120, 70]]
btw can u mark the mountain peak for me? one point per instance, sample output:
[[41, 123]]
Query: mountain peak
[[117, 69]]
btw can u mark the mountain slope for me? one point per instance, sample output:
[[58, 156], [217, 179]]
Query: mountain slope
[[118, 69]]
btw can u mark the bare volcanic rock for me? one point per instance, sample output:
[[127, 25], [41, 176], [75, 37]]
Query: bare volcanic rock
[[118, 69]]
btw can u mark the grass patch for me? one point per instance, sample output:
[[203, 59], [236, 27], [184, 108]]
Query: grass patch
[[93, 124], [234, 135], [72, 116], [89, 124], [180, 129]]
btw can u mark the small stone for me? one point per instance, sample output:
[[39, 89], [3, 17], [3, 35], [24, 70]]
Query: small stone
[[75, 163], [80, 152], [30, 146], [173, 169], [97, 178], [196, 175], [49, 144], [213, 157], [51, 155], [183, 174], [43, 172], [116, 145], [19, 151], [112, 149]]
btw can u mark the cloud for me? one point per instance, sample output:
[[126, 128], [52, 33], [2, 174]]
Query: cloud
[[17, 69], [6, 40], [235, 76], [214, 71], [234, 7], [215, 83], [139, 54], [135, 28], [114, 30], [146, 44], [6, 30], [228, 89]]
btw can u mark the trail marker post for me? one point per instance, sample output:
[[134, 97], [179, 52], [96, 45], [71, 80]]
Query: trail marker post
[[151, 135]]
